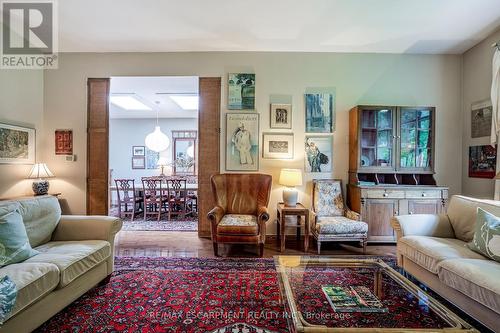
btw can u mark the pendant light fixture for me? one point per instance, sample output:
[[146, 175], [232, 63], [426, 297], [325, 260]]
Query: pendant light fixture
[[157, 140]]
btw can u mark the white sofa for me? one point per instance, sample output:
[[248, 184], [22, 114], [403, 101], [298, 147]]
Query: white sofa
[[433, 248], [76, 254]]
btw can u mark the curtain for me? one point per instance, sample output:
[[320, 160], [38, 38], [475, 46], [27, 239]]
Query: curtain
[[495, 97]]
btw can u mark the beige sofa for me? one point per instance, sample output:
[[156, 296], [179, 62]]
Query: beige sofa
[[433, 249], [76, 254]]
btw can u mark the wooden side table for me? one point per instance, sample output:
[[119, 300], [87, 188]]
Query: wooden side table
[[298, 211]]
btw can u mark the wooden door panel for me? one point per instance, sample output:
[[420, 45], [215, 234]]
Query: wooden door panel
[[424, 206], [209, 147], [378, 216], [97, 146]]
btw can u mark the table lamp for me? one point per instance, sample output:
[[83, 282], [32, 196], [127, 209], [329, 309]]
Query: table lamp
[[39, 171], [162, 162], [290, 178]]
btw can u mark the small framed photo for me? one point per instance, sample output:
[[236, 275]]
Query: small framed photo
[[318, 154], [138, 151], [277, 145], [138, 162], [281, 116]]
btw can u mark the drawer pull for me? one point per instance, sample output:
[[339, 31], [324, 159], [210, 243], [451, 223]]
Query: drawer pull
[[411, 213], [385, 195], [424, 195]]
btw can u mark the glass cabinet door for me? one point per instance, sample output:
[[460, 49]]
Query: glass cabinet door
[[416, 131], [377, 138]]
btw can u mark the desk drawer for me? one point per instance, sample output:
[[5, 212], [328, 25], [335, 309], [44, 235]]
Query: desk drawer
[[381, 194], [431, 194]]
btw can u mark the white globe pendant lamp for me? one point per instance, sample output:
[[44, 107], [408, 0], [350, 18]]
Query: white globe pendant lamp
[[157, 140]]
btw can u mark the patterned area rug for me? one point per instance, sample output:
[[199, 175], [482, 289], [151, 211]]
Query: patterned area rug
[[151, 224]]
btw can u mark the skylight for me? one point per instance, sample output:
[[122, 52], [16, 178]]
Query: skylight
[[186, 102], [129, 102]]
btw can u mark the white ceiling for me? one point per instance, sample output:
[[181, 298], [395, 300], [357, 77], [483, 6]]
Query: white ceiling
[[151, 90], [373, 26]]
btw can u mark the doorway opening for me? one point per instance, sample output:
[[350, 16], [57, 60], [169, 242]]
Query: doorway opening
[[153, 152]]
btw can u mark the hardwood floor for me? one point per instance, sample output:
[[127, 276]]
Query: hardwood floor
[[187, 244]]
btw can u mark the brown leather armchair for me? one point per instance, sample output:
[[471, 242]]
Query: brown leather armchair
[[240, 213]]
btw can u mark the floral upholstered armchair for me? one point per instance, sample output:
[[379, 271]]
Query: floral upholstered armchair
[[333, 221], [240, 213]]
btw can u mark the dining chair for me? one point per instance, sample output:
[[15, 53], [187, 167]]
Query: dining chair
[[154, 197], [179, 202], [127, 198]]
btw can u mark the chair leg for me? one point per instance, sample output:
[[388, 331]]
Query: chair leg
[[364, 246], [319, 247], [216, 249], [261, 250]]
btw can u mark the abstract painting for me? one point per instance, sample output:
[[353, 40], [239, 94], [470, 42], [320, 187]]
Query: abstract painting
[[17, 144], [319, 113], [242, 141]]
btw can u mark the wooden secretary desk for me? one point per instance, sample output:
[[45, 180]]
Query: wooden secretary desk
[[391, 166]]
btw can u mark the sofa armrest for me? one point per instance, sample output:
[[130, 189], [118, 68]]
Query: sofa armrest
[[76, 228], [216, 214], [262, 218], [422, 225]]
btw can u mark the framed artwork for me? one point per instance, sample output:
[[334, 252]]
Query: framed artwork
[[318, 154], [242, 141], [482, 161], [241, 91], [138, 162], [64, 142], [152, 158], [277, 145], [138, 151], [17, 144], [480, 120], [319, 113], [281, 116]]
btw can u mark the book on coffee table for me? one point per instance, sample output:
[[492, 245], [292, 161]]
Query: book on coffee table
[[352, 299]]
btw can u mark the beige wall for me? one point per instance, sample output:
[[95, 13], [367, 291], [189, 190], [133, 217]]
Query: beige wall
[[21, 103], [477, 73], [357, 79]]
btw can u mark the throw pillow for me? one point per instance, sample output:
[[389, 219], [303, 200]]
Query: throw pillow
[[14, 244], [8, 295], [486, 239]]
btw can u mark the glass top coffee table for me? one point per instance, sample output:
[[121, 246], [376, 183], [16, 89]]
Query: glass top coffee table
[[325, 294]]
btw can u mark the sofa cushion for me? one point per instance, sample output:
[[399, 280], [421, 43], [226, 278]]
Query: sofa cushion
[[428, 252], [462, 213], [73, 258], [14, 243], [476, 278], [337, 225], [33, 281], [238, 224], [486, 239]]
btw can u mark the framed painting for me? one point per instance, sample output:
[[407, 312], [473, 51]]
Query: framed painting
[[319, 113], [138, 162], [281, 116], [241, 91], [277, 145], [242, 141], [480, 120], [318, 154], [152, 158], [482, 161], [17, 144], [138, 151], [64, 142]]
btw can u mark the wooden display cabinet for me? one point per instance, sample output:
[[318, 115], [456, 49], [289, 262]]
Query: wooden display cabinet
[[391, 166]]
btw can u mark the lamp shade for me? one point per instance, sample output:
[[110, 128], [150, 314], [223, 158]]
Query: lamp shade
[[40, 170], [157, 140], [291, 177]]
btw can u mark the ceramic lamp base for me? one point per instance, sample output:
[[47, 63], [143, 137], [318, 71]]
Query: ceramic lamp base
[[40, 187], [290, 197]]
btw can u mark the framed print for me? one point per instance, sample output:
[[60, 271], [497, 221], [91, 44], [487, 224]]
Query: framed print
[[64, 142], [281, 116], [152, 158], [277, 145], [319, 113], [318, 154], [241, 91], [480, 120], [482, 161], [138, 162], [242, 141], [17, 144], [138, 151]]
